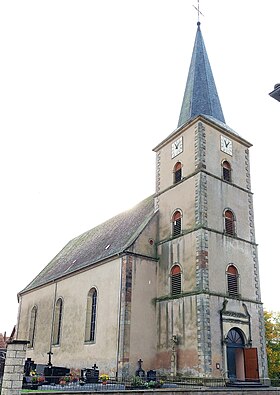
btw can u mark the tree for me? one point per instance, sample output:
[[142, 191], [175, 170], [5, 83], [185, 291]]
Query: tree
[[272, 330]]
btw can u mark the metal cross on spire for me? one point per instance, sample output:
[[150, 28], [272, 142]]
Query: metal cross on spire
[[198, 11]]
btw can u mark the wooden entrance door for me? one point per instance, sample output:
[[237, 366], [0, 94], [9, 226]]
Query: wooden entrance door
[[251, 364]]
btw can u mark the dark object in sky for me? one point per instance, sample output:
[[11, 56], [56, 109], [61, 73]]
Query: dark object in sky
[[276, 92]]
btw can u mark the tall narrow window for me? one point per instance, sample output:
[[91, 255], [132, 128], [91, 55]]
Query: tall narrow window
[[176, 223], [176, 280], [226, 171], [57, 321], [229, 222], [91, 315], [32, 326], [177, 172], [232, 281]]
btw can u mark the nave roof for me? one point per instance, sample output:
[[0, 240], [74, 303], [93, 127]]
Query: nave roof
[[104, 241]]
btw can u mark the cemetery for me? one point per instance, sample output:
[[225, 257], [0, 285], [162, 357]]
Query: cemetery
[[49, 377], [23, 376]]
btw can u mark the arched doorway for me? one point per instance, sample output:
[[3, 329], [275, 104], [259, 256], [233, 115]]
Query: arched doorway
[[235, 355]]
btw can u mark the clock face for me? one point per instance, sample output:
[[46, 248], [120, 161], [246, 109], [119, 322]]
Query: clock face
[[177, 147], [226, 145]]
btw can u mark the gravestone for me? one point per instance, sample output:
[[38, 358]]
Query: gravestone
[[29, 366], [40, 369], [140, 372], [151, 375], [92, 375], [53, 374], [50, 358]]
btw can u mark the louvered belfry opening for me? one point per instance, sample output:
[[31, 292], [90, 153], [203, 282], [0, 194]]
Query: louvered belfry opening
[[177, 223], [176, 280], [229, 223], [177, 172], [232, 281], [226, 171]]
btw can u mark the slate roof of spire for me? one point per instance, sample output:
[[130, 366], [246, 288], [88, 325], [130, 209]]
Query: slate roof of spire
[[104, 241], [201, 96]]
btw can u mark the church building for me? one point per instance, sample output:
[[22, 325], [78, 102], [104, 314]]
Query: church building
[[173, 281]]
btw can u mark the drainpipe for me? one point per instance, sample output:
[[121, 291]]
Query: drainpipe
[[119, 318], [54, 300]]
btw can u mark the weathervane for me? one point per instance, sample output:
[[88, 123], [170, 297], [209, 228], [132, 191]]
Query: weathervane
[[198, 11]]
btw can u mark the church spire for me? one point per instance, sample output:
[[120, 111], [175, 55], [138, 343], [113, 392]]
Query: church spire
[[201, 96]]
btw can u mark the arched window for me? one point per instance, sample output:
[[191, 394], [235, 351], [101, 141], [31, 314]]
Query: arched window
[[232, 281], [235, 338], [229, 222], [176, 280], [176, 223], [226, 167], [177, 172], [32, 326], [91, 315], [57, 321]]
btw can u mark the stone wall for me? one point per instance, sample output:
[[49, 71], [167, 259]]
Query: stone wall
[[14, 365]]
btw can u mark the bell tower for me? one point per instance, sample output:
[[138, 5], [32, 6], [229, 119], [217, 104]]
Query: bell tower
[[208, 280]]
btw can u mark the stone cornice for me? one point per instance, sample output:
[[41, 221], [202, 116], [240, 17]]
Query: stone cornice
[[185, 232], [209, 174], [187, 125], [204, 292]]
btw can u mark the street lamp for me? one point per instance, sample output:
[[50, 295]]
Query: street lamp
[[276, 92]]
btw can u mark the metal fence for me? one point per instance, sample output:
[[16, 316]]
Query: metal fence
[[69, 383], [275, 382], [76, 384]]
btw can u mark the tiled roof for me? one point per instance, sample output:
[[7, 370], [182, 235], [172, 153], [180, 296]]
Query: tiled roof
[[2, 341], [201, 96], [108, 239]]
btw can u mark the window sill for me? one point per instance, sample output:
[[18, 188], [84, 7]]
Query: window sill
[[230, 234], [238, 296]]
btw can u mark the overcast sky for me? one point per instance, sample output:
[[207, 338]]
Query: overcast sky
[[88, 88]]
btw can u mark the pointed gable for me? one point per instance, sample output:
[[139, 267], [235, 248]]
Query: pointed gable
[[102, 242], [201, 96]]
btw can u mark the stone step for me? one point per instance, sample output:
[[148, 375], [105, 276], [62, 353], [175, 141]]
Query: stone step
[[247, 384]]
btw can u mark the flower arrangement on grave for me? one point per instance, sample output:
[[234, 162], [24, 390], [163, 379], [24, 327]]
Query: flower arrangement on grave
[[64, 380], [104, 378], [74, 375], [36, 378]]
